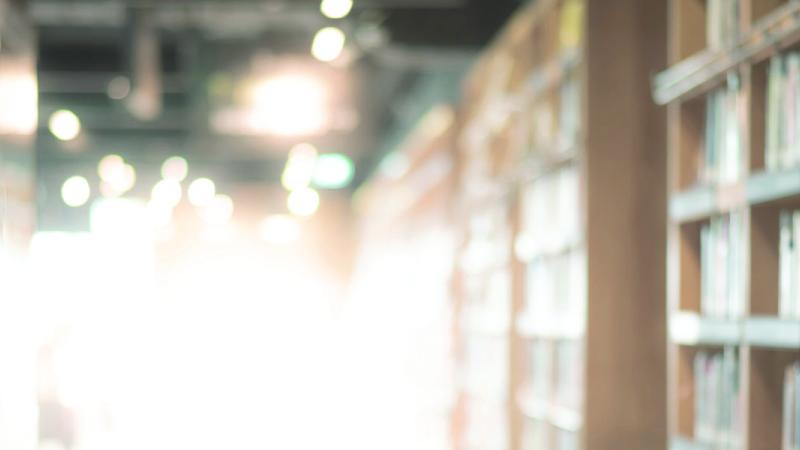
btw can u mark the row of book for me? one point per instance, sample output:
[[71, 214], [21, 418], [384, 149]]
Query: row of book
[[722, 266], [555, 126], [723, 155], [789, 272], [556, 287], [722, 23], [718, 398], [791, 408], [782, 149], [550, 214], [555, 373]]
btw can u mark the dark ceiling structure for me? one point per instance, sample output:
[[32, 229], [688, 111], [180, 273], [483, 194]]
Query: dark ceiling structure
[[404, 56]]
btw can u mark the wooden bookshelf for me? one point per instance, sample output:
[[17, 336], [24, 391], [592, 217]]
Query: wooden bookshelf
[[757, 343], [561, 150]]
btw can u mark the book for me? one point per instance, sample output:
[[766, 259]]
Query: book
[[782, 146], [790, 424], [718, 398], [789, 264], [723, 155], [722, 265]]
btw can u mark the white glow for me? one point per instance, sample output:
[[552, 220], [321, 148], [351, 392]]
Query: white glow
[[336, 9], [289, 105], [175, 168], [159, 213], [201, 192], [76, 191], [111, 167], [64, 125], [117, 177], [219, 211], [299, 167], [119, 87], [328, 44], [279, 229], [18, 101], [333, 171], [303, 202], [166, 192]]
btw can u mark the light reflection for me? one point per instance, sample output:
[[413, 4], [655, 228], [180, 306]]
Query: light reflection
[[201, 192], [303, 202], [289, 105]]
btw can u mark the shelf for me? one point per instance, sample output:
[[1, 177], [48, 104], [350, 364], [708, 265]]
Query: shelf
[[560, 417], [772, 332], [703, 201], [765, 187], [687, 444], [691, 329], [699, 73]]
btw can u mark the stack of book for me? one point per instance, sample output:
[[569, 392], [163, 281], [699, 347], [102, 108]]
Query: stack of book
[[718, 398], [723, 156], [722, 23], [782, 149], [722, 264], [791, 408], [569, 113], [556, 264], [789, 251]]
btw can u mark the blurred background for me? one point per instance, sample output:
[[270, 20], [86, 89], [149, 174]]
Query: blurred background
[[399, 224], [179, 230]]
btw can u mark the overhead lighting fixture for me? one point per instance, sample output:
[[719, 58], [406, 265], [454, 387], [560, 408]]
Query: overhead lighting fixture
[[303, 202], [75, 191], [336, 9], [202, 192], [119, 87], [328, 44], [333, 171], [64, 125], [290, 105], [299, 167]]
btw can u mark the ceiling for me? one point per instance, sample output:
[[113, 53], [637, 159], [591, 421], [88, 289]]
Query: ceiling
[[405, 55]]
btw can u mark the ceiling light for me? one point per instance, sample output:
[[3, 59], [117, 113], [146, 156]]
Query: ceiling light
[[64, 125], [333, 171], [201, 192], [328, 44], [336, 9], [75, 191], [303, 202]]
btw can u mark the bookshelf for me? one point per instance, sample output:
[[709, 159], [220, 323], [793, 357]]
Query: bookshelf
[[561, 188], [734, 179]]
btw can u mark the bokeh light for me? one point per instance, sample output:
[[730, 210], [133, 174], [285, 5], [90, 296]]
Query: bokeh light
[[299, 167], [201, 192], [336, 9], [64, 125], [175, 168], [219, 211], [166, 192], [303, 202], [328, 44], [76, 191], [333, 171]]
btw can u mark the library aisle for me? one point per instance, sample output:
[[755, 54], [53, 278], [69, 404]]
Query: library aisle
[[400, 224]]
